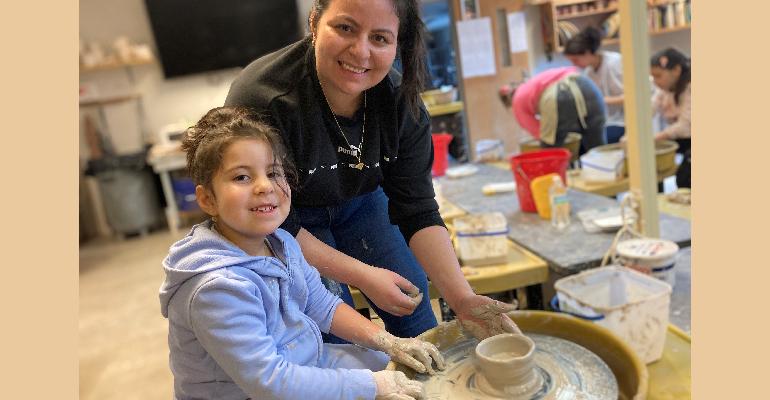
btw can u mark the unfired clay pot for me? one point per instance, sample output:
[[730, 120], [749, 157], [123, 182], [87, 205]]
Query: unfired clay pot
[[506, 366]]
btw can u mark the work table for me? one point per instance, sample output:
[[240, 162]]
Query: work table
[[567, 252]]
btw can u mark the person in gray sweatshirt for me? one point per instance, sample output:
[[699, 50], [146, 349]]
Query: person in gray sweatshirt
[[245, 309]]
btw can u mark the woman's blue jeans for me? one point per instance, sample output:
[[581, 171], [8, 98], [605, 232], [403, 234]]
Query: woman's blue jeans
[[361, 228]]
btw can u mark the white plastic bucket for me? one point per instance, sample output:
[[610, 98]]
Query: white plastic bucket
[[654, 257], [632, 305]]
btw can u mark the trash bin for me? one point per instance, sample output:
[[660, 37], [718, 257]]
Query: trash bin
[[129, 192]]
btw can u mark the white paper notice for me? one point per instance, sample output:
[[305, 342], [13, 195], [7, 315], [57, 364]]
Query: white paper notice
[[477, 55], [517, 32]]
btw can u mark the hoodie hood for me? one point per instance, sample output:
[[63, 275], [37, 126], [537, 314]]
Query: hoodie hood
[[204, 250]]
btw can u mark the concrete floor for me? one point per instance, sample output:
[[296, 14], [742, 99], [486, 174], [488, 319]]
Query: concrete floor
[[122, 350]]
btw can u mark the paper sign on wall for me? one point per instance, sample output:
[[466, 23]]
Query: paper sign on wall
[[477, 56], [517, 32]]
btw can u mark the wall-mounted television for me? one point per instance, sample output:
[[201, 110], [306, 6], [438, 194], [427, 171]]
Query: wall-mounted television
[[196, 36]]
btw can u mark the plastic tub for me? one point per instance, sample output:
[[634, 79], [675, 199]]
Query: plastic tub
[[529, 166], [481, 239], [654, 257], [632, 305], [540, 187], [440, 153]]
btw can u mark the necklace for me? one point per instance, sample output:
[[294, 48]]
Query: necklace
[[357, 150]]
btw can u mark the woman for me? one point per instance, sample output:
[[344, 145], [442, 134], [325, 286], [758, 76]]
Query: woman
[[360, 137], [605, 69], [670, 70], [558, 101]]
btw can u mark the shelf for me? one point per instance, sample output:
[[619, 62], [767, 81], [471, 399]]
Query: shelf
[[652, 33], [114, 64], [669, 30], [586, 13], [104, 100], [443, 109]]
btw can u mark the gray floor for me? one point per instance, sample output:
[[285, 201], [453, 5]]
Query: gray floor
[[122, 348]]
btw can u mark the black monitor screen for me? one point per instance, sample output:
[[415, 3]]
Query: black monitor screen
[[204, 35]]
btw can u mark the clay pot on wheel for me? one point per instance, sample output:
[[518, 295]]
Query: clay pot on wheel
[[506, 366]]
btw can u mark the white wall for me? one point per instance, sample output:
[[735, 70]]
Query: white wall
[[165, 101]]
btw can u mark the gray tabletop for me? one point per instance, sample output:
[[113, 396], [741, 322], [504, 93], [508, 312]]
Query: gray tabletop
[[567, 252]]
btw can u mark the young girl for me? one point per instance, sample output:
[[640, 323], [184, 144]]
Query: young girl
[[245, 309], [670, 70]]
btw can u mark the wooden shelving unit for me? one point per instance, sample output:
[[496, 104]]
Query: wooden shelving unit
[[578, 14], [586, 13]]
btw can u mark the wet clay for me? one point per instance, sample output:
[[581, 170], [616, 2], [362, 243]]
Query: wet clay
[[560, 369], [505, 366]]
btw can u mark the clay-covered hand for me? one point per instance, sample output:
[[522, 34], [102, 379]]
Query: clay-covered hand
[[390, 291], [394, 385], [483, 317], [414, 353]]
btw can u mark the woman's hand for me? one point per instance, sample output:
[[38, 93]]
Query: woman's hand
[[483, 317], [387, 289], [394, 385], [414, 353]]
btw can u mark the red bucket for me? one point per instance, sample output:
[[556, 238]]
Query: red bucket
[[529, 166], [440, 151]]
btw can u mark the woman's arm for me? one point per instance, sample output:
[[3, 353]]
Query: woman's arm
[[524, 112], [480, 315], [681, 127], [610, 100], [385, 288]]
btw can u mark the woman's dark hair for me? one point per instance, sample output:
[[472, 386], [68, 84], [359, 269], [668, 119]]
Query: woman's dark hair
[[411, 48], [669, 59], [587, 41], [206, 141]]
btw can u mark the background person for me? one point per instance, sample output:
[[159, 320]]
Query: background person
[[605, 69]]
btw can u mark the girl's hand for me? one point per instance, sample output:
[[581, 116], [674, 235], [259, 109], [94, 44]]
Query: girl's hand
[[394, 385], [386, 289], [414, 353], [483, 317]]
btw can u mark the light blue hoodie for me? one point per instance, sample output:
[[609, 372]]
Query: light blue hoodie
[[250, 327]]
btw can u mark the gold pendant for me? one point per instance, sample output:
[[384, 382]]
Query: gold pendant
[[359, 166]]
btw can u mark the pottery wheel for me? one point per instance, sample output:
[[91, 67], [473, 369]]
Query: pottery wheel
[[568, 371]]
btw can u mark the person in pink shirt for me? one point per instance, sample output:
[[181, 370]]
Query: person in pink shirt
[[558, 101]]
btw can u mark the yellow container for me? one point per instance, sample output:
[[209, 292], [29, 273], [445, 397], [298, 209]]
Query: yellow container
[[539, 188]]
